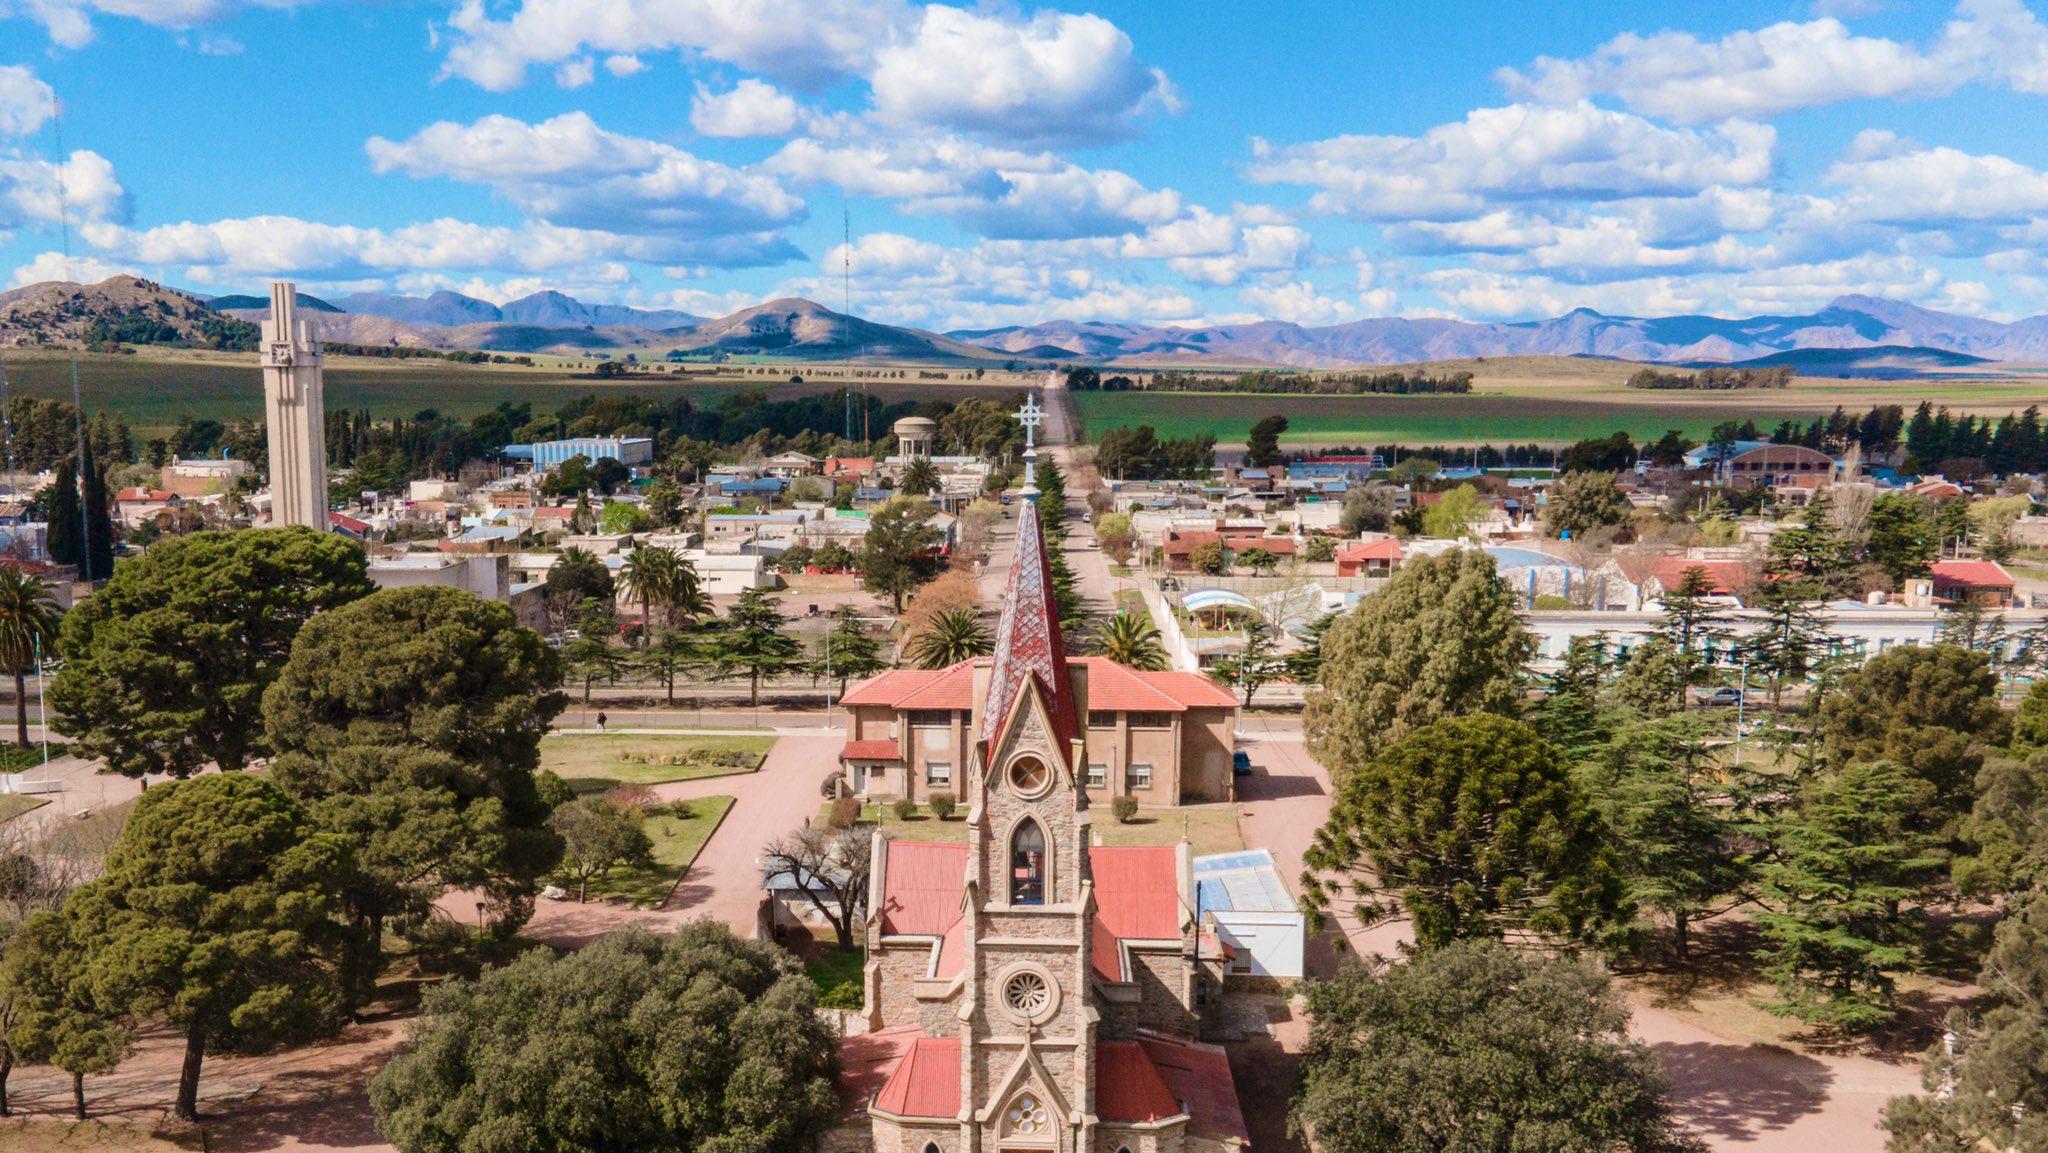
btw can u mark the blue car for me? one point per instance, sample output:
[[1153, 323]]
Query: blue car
[[1241, 763]]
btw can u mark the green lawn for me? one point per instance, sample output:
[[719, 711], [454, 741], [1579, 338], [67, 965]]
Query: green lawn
[[838, 977], [15, 759], [13, 805], [677, 841], [591, 762], [921, 826]]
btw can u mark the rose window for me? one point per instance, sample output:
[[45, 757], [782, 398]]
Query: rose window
[[1026, 1116], [1029, 776], [1027, 995]]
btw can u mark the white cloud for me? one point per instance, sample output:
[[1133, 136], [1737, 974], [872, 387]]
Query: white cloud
[[1297, 301], [1791, 288], [53, 266], [69, 22], [25, 101], [804, 42], [1763, 72], [569, 171], [624, 65], [576, 72], [1521, 152], [1889, 180], [750, 108], [1055, 78], [30, 190]]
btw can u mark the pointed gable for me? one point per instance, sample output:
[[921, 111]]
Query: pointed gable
[[1028, 643]]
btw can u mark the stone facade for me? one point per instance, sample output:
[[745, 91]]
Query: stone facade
[[295, 409]]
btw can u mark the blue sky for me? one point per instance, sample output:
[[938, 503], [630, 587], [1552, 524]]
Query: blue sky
[[1120, 160]]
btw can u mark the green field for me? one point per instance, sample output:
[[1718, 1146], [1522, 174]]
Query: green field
[[154, 389], [590, 762], [1502, 413]]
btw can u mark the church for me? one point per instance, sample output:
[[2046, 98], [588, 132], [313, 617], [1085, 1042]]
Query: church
[[1031, 990]]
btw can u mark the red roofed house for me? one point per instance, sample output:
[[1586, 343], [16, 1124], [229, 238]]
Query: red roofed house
[[1724, 578], [1982, 581], [133, 506], [1030, 990], [1369, 558]]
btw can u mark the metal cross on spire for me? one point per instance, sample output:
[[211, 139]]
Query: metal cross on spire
[[1030, 416]]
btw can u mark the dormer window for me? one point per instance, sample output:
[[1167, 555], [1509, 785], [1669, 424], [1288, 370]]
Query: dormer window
[[1027, 864]]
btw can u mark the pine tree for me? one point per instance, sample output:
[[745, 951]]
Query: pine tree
[[1693, 625], [1570, 716], [99, 550], [64, 542]]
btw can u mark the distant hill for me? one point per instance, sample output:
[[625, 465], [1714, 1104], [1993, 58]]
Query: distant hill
[[806, 330], [126, 309], [547, 309], [1882, 362], [240, 301]]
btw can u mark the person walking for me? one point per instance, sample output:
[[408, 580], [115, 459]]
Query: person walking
[[600, 722]]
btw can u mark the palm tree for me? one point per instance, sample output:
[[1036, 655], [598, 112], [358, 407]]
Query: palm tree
[[650, 575], [28, 626], [952, 636], [920, 479], [1132, 641], [687, 600]]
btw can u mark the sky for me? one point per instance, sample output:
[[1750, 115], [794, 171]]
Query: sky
[[1122, 160]]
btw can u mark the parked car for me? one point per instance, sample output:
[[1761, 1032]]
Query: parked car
[[1727, 696], [1240, 764]]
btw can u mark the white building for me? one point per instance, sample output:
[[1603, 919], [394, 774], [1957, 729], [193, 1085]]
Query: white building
[[486, 576], [1242, 896]]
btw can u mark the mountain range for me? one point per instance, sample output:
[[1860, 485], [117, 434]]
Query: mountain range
[[1859, 334]]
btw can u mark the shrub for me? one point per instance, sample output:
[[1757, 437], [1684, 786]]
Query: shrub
[[942, 804], [904, 808], [845, 812], [832, 785], [844, 995], [1123, 809], [634, 798], [554, 791]]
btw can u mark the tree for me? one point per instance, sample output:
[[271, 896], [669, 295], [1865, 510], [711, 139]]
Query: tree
[[28, 630], [1987, 1087], [1792, 637], [901, 550], [1209, 558], [1453, 514], [830, 867], [1262, 446], [751, 640], [2007, 829], [670, 655], [849, 651], [1260, 561], [592, 657], [1253, 665], [65, 540], [1476, 1048], [1132, 640], [1304, 666], [97, 561], [1582, 501], [699, 1041], [620, 518], [1812, 550], [1675, 818], [598, 834], [1571, 715], [1113, 532], [665, 503], [165, 667], [920, 478], [651, 576], [1903, 540], [1693, 624], [1469, 827], [1652, 679], [53, 1018], [1367, 508], [1930, 709], [1320, 550], [407, 671], [1845, 860], [578, 574], [953, 636], [217, 911], [1442, 639]]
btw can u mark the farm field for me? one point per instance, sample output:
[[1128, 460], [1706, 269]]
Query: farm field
[[1527, 406], [155, 388]]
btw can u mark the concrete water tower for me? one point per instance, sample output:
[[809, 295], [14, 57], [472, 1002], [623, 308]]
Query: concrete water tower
[[914, 437]]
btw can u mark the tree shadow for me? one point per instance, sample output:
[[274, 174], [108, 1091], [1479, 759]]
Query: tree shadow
[[1737, 1092], [1266, 1075], [1272, 788], [329, 1106]]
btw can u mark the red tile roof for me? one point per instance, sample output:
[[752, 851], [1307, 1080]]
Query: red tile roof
[[880, 750], [1724, 577], [866, 1062], [1137, 897], [1128, 1086], [1183, 543], [926, 1082], [1387, 548], [1976, 574], [1199, 1076], [921, 888], [1111, 687], [143, 494]]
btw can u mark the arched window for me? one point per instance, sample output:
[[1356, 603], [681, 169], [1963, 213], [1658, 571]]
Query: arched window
[[1027, 864], [933, 1147]]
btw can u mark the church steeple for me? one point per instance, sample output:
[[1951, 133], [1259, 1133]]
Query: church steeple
[[1028, 642]]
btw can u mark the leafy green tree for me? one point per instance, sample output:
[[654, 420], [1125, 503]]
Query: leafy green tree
[[1367, 508], [53, 1017], [1812, 550], [700, 1041], [1477, 1048], [1319, 550], [28, 632], [1845, 862], [65, 539], [598, 834], [165, 667], [1454, 513], [952, 636], [849, 651], [751, 640], [1304, 666], [1115, 536], [1903, 540], [218, 912], [578, 574], [1209, 558], [901, 550], [1262, 445], [1933, 710], [1792, 636], [1442, 639], [672, 654], [1260, 561], [1571, 715], [1650, 680], [1131, 640], [1470, 827], [97, 563], [1676, 818], [1986, 1082], [592, 657], [665, 503], [1256, 663], [2007, 829], [619, 518], [1583, 501]]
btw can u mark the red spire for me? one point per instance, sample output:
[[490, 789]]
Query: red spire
[[1028, 642]]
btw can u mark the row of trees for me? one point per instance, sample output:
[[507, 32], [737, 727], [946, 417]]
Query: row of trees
[[1268, 381]]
